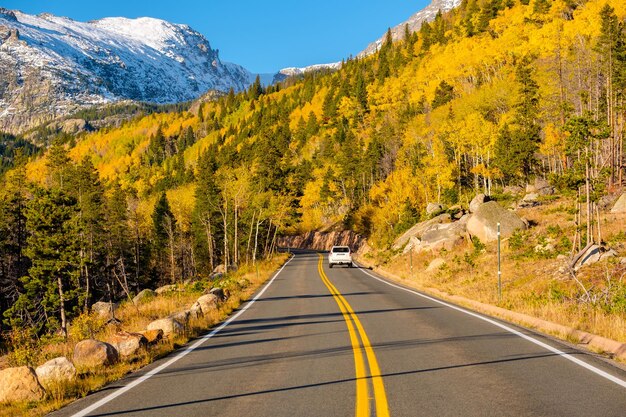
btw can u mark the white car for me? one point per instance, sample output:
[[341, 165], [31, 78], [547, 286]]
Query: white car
[[340, 255]]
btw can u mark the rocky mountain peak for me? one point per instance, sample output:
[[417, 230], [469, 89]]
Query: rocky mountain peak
[[60, 65], [7, 14]]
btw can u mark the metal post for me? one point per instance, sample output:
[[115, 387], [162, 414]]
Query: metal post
[[499, 269], [411, 260]]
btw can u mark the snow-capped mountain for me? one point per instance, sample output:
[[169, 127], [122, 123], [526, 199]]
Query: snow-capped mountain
[[427, 14], [50, 65], [295, 71]]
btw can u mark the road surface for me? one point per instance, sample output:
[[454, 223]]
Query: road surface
[[342, 342]]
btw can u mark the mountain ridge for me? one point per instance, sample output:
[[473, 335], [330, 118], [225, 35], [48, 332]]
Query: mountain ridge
[[414, 22], [52, 65]]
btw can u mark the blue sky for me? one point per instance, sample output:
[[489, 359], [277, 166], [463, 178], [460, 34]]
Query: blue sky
[[263, 36]]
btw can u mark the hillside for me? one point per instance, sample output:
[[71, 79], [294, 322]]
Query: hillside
[[413, 23], [493, 94]]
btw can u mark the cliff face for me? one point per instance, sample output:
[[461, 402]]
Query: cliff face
[[323, 240]]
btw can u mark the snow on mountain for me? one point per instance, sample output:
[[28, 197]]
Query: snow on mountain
[[50, 65], [427, 14], [295, 71]]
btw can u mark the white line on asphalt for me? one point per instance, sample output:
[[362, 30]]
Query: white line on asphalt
[[577, 361], [180, 355]]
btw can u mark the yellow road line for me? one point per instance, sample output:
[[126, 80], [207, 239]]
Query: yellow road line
[[362, 400], [382, 406]]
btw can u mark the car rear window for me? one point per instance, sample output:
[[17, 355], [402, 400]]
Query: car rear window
[[341, 249]]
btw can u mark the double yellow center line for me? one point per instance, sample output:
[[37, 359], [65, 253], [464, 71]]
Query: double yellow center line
[[360, 343]]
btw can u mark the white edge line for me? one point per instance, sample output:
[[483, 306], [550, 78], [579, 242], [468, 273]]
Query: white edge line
[[180, 355], [567, 356]]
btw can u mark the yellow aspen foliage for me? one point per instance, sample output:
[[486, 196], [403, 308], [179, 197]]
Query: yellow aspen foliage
[[182, 202]]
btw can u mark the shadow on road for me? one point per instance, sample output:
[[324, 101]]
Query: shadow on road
[[326, 383]]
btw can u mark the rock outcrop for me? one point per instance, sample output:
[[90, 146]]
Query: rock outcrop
[[442, 236], [620, 205], [322, 240], [19, 384], [92, 353], [483, 223], [55, 371], [419, 229]]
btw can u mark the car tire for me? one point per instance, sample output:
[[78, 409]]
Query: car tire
[[330, 266]]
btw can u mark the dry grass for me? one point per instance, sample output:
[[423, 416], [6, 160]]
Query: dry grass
[[532, 282], [240, 285]]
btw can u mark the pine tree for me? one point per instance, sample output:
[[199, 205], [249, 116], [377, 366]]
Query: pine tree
[[88, 192], [51, 287], [206, 217], [164, 228], [444, 93], [516, 147]]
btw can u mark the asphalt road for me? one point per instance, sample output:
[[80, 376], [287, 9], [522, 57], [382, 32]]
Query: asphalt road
[[342, 342]]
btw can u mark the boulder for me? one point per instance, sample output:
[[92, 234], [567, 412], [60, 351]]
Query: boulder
[[104, 309], [144, 296], [433, 208], [418, 229], [477, 201], [216, 275], [529, 200], [546, 191], [128, 344], [541, 186], [591, 256], [483, 223], [55, 371], [92, 353], [152, 336], [220, 269], [166, 288], [620, 205], [19, 384], [168, 325], [435, 265], [513, 190], [208, 302]]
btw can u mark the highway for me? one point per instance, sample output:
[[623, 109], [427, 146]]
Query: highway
[[316, 341]]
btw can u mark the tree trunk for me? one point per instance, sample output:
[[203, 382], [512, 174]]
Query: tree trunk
[[250, 238], [209, 238], [588, 196], [236, 243], [256, 242], [62, 306]]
